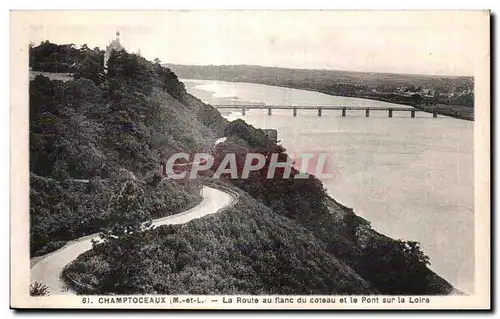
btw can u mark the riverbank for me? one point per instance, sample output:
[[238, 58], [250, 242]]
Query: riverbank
[[364, 232], [455, 111]]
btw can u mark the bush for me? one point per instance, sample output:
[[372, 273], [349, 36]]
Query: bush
[[50, 247], [153, 178], [54, 67], [38, 289]]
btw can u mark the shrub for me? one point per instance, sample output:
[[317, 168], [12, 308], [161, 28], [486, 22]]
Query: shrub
[[50, 247], [38, 289], [153, 177]]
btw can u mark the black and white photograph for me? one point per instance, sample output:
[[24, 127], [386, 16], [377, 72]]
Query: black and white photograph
[[250, 159]]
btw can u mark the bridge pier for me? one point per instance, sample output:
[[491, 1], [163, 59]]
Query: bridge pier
[[320, 108]]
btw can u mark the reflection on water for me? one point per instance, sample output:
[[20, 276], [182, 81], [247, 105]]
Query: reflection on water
[[411, 178]]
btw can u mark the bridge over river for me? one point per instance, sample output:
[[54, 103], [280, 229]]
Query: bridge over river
[[320, 109]]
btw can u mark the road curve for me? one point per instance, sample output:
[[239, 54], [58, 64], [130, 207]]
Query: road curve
[[48, 270]]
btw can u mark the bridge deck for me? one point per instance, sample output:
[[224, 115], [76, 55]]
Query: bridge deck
[[314, 107]]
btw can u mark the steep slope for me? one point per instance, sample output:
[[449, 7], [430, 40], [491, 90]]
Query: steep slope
[[391, 266], [247, 249], [87, 136], [92, 135]]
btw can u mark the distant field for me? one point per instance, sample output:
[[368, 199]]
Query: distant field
[[53, 76]]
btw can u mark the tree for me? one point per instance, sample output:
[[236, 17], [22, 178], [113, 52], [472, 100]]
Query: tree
[[414, 255], [435, 99], [416, 98], [153, 177], [31, 51], [126, 213], [90, 65], [127, 217]]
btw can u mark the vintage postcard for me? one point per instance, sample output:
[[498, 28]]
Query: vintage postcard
[[250, 159]]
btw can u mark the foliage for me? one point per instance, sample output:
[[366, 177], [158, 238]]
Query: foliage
[[255, 138], [126, 213], [91, 66], [248, 249], [395, 267], [66, 58], [84, 133], [294, 198], [64, 210], [126, 216], [38, 289], [51, 246], [413, 253]]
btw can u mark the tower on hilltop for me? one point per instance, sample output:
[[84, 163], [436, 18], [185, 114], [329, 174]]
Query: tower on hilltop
[[113, 45]]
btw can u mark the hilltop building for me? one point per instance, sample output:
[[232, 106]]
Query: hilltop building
[[272, 135], [114, 45]]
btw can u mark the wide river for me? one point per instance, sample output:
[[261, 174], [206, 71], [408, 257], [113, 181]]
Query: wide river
[[412, 178]]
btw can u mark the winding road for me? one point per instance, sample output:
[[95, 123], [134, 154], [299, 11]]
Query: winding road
[[49, 268]]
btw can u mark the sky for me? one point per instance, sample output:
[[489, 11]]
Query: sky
[[418, 42]]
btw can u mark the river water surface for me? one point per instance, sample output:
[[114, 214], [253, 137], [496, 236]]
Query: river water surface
[[412, 178]]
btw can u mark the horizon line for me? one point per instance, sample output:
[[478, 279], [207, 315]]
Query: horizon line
[[268, 66], [322, 69]]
